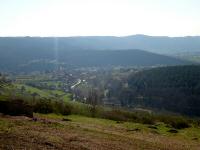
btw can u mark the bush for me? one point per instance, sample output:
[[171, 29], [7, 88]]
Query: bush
[[179, 124], [16, 108], [115, 115], [120, 115], [176, 122], [47, 106], [147, 120], [43, 106], [79, 108], [61, 108]]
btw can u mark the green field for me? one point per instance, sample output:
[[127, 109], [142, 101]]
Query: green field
[[29, 90]]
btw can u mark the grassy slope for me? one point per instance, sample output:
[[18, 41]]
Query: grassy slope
[[42, 92], [50, 132], [32, 90]]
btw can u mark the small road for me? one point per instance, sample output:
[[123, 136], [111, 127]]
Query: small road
[[77, 83]]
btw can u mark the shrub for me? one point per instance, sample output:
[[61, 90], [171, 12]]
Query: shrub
[[179, 124], [79, 108], [47, 106], [120, 115], [61, 108], [147, 120], [176, 122], [16, 108], [115, 115], [43, 106]]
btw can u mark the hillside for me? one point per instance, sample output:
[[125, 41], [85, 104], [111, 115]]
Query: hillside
[[35, 54], [169, 88], [52, 132]]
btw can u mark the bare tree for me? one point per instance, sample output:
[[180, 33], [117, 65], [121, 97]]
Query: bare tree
[[93, 100]]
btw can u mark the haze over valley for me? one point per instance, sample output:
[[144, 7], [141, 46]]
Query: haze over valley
[[100, 75]]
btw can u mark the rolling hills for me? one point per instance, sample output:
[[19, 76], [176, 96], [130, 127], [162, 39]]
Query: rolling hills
[[157, 44], [36, 54]]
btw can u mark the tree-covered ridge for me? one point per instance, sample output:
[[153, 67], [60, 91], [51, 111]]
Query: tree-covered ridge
[[174, 76], [26, 54], [174, 88]]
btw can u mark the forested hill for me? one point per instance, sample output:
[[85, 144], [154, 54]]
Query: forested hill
[[39, 60], [33, 54], [174, 88]]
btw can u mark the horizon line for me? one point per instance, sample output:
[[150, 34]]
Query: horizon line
[[74, 36]]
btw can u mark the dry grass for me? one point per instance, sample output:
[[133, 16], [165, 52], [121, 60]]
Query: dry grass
[[50, 132]]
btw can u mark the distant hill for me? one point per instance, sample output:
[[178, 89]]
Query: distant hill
[[36, 54], [157, 44]]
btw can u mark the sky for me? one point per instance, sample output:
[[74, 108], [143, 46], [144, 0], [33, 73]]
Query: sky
[[99, 17]]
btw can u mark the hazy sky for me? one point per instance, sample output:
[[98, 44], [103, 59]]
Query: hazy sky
[[99, 17]]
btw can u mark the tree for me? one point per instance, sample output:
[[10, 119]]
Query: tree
[[23, 89], [34, 96], [2, 81], [93, 100]]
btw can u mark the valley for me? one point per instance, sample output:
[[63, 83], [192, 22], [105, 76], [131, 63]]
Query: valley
[[96, 99]]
